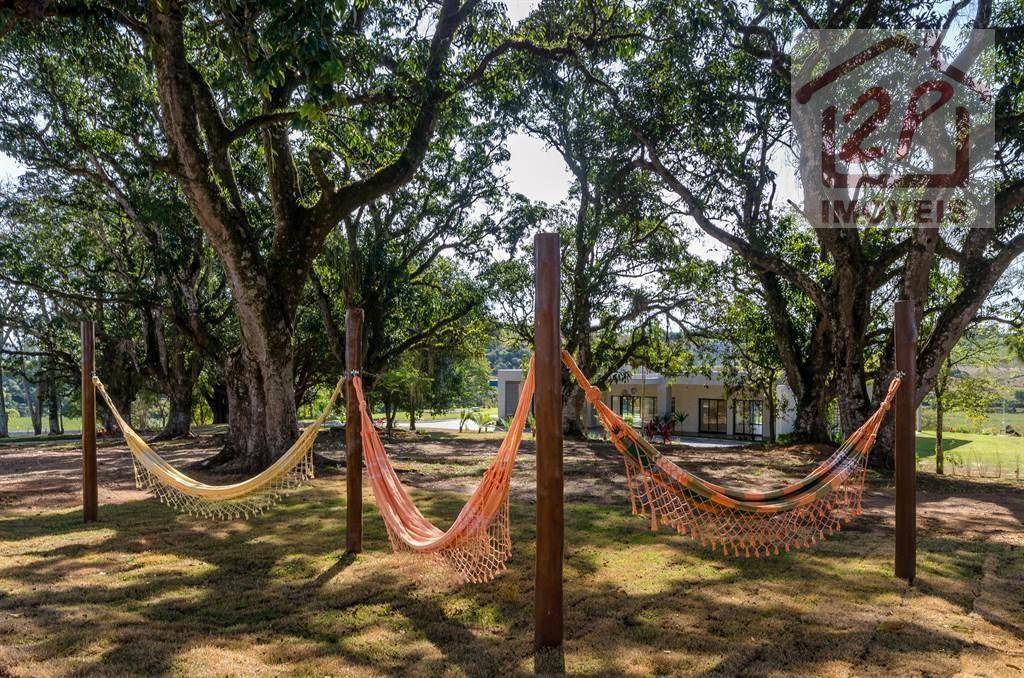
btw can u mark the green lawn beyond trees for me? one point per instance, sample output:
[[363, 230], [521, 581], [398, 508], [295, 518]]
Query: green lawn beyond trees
[[994, 422], [974, 454]]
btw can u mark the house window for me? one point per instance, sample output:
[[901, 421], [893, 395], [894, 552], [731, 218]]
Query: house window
[[748, 418], [641, 408], [511, 398], [712, 415]]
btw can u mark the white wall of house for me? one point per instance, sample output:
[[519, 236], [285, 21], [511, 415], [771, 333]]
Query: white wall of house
[[510, 384], [685, 392], [785, 418], [688, 397]]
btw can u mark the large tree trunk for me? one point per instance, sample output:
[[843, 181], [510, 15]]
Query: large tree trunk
[[179, 417], [123, 402], [770, 400], [572, 413], [578, 342], [262, 419], [881, 455], [33, 408], [390, 412], [807, 370], [116, 366], [175, 367], [53, 407], [217, 399], [179, 412], [266, 289], [4, 430], [811, 423]]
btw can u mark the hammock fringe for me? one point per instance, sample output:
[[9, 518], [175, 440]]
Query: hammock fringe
[[478, 544], [733, 520], [251, 505], [244, 499]]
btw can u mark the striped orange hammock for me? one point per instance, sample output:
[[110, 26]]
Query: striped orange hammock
[[734, 520], [477, 545]]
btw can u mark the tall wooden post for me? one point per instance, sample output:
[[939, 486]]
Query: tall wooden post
[[90, 489], [353, 427], [548, 630], [905, 451]]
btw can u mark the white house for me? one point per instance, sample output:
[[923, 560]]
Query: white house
[[703, 401]]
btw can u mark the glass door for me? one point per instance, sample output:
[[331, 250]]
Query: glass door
[[748, 418], [712, 415]]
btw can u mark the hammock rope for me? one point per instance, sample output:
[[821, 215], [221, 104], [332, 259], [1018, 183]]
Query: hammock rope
[[243, 499], [735, 520], [478, 544]]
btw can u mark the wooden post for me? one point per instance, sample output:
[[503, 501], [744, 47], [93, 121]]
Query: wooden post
[[905, 447], [90, 489], [353, 426], [548, 631]]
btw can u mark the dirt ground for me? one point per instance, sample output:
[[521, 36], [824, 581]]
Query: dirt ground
[[146, 591]]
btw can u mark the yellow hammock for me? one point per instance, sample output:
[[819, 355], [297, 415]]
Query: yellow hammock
[[241, 499], [734, 520], [477, 545]]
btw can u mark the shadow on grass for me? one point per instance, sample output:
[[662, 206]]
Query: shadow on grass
[[166, 583], [137, 592], [928, 450]]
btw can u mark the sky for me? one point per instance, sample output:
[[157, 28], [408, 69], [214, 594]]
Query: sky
[[518, 9], [8, 168]]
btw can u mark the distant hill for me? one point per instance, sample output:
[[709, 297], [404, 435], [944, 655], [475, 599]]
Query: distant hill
[[506, 357]]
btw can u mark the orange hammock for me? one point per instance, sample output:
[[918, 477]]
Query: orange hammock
[[477, 545], [732, 519]]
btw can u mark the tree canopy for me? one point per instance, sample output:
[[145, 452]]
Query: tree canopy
[[217, 182]]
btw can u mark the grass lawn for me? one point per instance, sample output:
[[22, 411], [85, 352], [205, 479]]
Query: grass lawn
[[975, 452], [994, 423], [24, 424], [438, 416], [149, 592]]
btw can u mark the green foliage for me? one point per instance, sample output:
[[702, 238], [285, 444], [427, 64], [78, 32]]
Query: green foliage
[[437, 378], [1016, 344], [704, 106], [343, 139], [624, 264], [404, 385], [487, 422], [292, 119], [973, 395], [734, 338], [465, 416], [501, 355]]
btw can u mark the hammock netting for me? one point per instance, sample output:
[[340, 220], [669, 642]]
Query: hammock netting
[[478, 545], [237, 500], [732, 520]]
